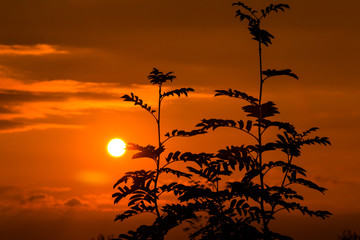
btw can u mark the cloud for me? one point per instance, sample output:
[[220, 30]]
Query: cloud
[[19, 198], [56, 103], [37, 50], [9, 124], [73, 202], [34, 105], [15, 198], [36, 197]]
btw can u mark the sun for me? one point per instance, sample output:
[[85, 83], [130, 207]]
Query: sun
[[116, 147]]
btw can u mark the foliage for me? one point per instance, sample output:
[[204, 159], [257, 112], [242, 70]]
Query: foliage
[[141, 187], [349, 235], [102, 237], [245, 205], [228, 194]]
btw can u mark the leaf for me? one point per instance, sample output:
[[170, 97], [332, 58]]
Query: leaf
[[213, 123], [284, 72], [157, 77], [267, 109], [308, 184], [123, 179], [199, 158], [141, 181], [145, 152], [260, 35], [237, 94], [177, 92], [316, 140], [169, 157], [243, 16], [235, 155], [274, 8], [125, 215], [233, 202], [182, 133], [307, 132], [240, 4], [287, 166], [241, 124], [175, 172], [248, 125], [137, 101], [289, 128]]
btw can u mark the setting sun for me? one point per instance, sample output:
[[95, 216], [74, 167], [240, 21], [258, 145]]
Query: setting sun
[[116, 147]]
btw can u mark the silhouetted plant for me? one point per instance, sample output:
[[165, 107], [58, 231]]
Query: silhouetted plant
[[238, 201], [142, 187], [102, 237], [348, 235], [243, 208]]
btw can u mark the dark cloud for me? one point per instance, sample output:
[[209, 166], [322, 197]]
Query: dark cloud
[[10, 124], [16, 96], [73, 202], [11, 96], [6, 189], [6, 109], [81, 22], [121, 40], [36, 197], [12, 102]]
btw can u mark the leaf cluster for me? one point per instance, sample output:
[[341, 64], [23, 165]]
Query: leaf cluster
[[254, 18], [158, 77], [142, 188], [137, 101], [227, 190]]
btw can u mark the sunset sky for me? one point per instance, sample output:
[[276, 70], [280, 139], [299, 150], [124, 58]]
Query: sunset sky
[[65, 64]]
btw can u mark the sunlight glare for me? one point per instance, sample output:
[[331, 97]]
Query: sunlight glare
[[116, 147]]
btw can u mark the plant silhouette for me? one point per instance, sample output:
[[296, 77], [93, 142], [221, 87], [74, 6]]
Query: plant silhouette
[[102, 237], [142, 187], [243, 208], [348, 235], [229, 194]]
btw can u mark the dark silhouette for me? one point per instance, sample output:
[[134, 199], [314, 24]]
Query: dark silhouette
[[143, 190], [348, 235], [243, 209], [228, 195], [102, 237]]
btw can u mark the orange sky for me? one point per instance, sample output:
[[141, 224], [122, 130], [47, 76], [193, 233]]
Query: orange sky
[[65, 64]]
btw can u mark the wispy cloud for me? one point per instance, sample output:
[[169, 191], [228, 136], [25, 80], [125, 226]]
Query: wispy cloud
[[18, 198], [42, 104], [37, 50], [35, 105]]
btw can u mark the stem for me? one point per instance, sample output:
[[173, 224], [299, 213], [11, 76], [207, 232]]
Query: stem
[[158, 158], [264, 218], [282, 185], [287, 170]]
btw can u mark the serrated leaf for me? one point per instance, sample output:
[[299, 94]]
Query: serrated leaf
[[248, 125], [137, 101], [241, 124], [158, 77], [178, 92], [283, 72], [237, 94]]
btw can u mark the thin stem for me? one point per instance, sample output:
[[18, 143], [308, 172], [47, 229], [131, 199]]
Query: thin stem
[[262, 204], [158, 158], [282, 185], [287, 170], [154, 116]]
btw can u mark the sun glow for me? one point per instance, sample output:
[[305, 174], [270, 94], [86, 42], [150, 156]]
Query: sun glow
[[116, 147]]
